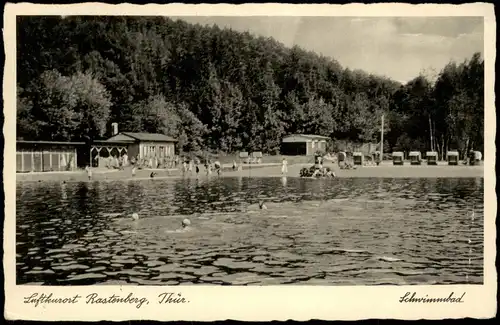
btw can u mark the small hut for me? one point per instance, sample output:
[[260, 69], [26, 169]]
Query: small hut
[[431, 157], [397, 158], [357, 158], [452, 157], [415, 158]]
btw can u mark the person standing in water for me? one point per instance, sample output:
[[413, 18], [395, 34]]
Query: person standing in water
[[284, 167], [89, 172], [184, 167], [133, 171], [208, 166], [190, 166], [197, 169]]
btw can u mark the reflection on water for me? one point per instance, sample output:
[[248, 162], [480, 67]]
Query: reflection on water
[[327, 231]]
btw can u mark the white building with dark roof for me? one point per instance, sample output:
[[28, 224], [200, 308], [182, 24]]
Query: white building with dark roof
[[303, 144], [136, 145]]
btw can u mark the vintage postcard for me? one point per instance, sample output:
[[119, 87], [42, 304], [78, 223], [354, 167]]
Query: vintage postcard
[[249, 162]]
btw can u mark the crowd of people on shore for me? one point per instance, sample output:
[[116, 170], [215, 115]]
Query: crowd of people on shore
[[196, 166], [114, 162], [185, 165]]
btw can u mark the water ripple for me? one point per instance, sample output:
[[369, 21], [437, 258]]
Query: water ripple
[[314, 232]]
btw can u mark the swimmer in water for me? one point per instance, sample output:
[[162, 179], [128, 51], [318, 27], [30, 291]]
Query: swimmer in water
[[153, 174], [135, 216], [262, 206], [186, 225]]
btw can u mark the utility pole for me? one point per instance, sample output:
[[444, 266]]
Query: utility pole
[[430, 130], [382, 140]]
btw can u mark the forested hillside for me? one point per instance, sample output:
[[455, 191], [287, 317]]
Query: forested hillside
[[220, 90]]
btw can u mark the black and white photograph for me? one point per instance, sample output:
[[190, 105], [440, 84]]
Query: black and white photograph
[[229, 150]]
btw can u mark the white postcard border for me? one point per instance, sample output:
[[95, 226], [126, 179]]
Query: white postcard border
[[266, 302]]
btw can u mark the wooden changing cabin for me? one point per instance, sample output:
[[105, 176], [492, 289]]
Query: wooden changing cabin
[[415, 158], [358, 158], [432, 157], [452, 157], [44, 156], [397, 158]]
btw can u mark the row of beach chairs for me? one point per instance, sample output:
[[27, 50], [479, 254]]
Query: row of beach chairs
[[415, 158], [252, 158]]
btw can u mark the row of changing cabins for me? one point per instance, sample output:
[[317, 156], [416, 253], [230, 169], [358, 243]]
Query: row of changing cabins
[[415, 158]]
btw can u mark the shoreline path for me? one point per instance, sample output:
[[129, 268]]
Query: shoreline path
[[385, 170]]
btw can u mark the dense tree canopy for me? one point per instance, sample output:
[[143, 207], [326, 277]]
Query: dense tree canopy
[[222, 90]]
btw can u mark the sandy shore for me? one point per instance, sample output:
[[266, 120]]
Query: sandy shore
[[385, 170]]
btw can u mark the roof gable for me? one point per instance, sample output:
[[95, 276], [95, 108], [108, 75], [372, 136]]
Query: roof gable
[[154, 137], [303, 137], [121, 137]]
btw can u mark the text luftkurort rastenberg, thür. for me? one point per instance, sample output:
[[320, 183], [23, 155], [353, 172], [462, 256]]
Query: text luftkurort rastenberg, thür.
[[38, 299]]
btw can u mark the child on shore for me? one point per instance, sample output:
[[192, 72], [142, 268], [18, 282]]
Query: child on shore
[[89, 172], [190, 167], [284, 166], [217, 166], [184, 167]]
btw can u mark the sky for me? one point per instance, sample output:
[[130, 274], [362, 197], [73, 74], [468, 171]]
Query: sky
[[396, 47]]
